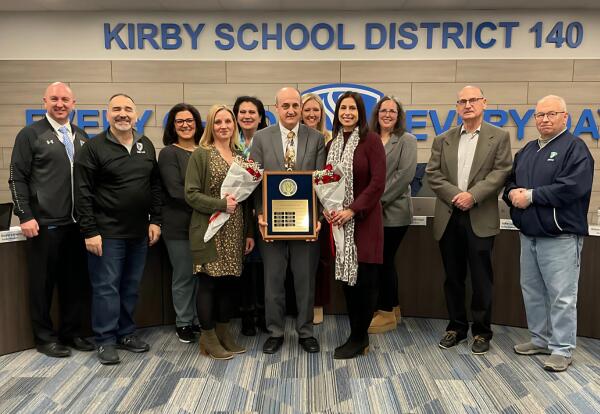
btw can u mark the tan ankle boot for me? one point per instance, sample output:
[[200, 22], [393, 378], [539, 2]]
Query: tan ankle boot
[[226, 339], [397, 314], [210, 345], [382, 322]]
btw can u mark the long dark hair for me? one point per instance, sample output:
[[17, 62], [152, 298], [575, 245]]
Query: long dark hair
[[259, 107], [399, 126], [363, 126], [170, 135]]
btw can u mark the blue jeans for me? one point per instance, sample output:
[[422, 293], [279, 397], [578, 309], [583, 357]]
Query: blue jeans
[[184, 284], [115, 277], [549, 277]]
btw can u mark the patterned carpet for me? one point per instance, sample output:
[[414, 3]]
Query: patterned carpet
[[405, 372]]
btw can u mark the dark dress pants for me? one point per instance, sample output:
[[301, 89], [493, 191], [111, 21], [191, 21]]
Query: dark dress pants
[[57, 257], [461, 247]]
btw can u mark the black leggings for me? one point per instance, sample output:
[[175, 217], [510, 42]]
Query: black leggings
[[361, 300], [214, 299], [388, 285]]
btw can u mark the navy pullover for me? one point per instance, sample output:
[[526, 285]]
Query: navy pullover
[[561, 175]]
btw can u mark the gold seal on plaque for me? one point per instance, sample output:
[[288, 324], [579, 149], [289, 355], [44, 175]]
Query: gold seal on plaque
[[288, 187]]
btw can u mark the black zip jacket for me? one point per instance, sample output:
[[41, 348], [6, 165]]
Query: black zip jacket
[[40, 174], [117, 193]]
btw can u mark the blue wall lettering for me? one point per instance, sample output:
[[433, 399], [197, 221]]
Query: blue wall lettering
[[496, 117], [435, 121], [266, 36], [479, 38], [412, 123], [380, 31], [322, 36], [416, 120], [521, 121], [141, 35], [247, 46], [587, 124], [304, 36], [223, 32], [315, 34]]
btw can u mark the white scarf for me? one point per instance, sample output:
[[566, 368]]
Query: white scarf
[[346, 264]]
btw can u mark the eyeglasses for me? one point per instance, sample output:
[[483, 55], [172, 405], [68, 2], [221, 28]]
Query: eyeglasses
[[551, 115], [388, 112], [189, 121], [472, 101]]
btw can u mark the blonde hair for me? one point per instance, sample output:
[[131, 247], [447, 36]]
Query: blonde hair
[[321, 125], [208, 137]]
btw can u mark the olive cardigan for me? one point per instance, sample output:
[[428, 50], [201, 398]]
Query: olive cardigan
[[197, 186]]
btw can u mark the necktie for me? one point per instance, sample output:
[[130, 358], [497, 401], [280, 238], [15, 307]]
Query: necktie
[[67, 142], [290, 152]]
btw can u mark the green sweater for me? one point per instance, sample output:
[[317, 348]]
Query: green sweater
[[197, 186]]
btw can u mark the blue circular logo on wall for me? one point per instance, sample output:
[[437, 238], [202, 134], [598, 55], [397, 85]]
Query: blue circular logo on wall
[[331, 92]]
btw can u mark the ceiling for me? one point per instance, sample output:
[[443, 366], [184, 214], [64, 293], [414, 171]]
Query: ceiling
[[290, 5]]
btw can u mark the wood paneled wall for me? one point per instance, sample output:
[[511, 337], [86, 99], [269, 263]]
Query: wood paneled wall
[[157, 85]]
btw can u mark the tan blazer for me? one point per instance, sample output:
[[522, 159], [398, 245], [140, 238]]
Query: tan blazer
[[491, 165]]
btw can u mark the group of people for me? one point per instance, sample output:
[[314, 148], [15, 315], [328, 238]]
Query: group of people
[[111, 197], [548, 189]]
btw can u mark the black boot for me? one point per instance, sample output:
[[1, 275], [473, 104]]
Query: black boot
[[352, 348], [358, 306], [248, 326]]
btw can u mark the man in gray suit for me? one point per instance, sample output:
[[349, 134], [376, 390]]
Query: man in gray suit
[[467, 169], [288, 144]]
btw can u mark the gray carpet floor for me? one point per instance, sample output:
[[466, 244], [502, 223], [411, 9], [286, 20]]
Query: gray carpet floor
[[405, 372]]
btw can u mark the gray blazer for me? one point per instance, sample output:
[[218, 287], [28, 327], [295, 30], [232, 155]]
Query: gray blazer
[[267, 149], [401, 164]]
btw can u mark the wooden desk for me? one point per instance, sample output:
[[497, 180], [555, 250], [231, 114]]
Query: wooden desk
[[421, 292]]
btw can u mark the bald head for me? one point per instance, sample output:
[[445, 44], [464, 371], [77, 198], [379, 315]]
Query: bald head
[[59, 86], [554, 99], [551, 116], [59, 102], [471, 89], [287, 92], [288, 104]]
